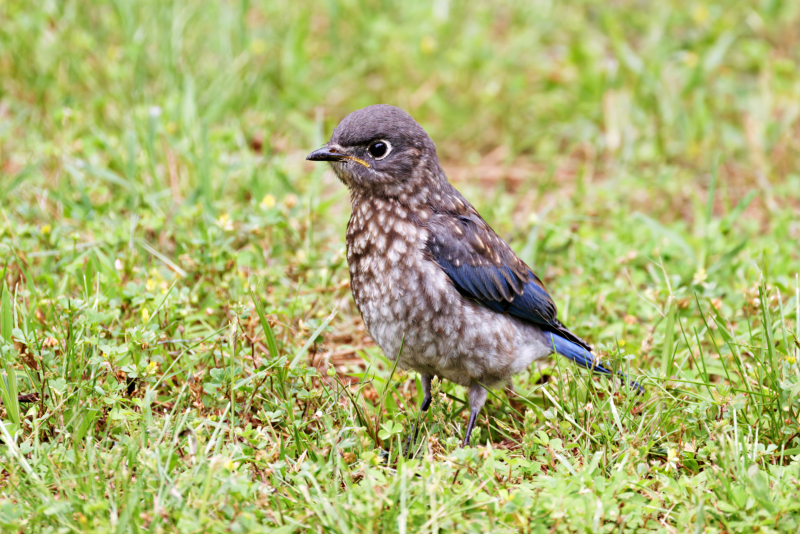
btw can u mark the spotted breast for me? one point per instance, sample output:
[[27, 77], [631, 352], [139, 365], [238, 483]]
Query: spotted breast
[[407, 300]]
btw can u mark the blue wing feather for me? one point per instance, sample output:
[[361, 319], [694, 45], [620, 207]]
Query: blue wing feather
[[482, 267], [577, 354], [488, 285], [584, 358], [534, 304]]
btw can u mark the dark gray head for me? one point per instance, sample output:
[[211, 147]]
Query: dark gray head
[[380, 148]]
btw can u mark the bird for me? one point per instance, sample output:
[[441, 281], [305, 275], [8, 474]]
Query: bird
[[440, 292]]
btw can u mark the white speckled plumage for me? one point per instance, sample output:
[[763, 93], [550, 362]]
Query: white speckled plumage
[[446, 334]]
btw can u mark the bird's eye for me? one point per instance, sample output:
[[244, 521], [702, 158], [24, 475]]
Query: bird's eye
[[379, 149]]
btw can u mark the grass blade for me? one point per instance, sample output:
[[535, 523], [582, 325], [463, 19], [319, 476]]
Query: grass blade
[[6, 315], [272, 345], [669, 339]]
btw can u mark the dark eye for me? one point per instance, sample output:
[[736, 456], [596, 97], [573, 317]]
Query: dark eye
[[379, 149]]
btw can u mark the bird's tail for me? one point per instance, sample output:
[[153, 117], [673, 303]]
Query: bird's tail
[[584, 358]]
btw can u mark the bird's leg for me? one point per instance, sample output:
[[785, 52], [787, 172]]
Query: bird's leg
[[426, 392], [477, 398], [426, 400], [426, 403]]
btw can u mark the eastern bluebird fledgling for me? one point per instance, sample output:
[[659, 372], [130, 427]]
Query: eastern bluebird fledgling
[[427, 271]]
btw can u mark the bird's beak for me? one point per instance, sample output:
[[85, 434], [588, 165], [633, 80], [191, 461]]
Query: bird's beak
[[333, 153], [327, 153]]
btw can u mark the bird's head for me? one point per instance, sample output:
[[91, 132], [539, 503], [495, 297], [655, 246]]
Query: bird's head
[[380, 149]]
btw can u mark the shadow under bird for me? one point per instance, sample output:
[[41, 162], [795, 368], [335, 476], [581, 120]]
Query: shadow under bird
[[428, 274]]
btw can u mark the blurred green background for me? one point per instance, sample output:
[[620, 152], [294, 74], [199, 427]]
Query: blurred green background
[[640, 91], [642, 157]]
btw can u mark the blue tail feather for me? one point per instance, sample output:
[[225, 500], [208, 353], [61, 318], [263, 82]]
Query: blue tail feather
[[584, 358]]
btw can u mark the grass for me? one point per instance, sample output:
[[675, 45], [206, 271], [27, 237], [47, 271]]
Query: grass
[[180, 352]]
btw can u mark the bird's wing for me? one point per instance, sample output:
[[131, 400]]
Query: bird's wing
[[483, 267]]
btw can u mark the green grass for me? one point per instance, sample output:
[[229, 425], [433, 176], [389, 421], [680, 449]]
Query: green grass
[[180, 352]]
